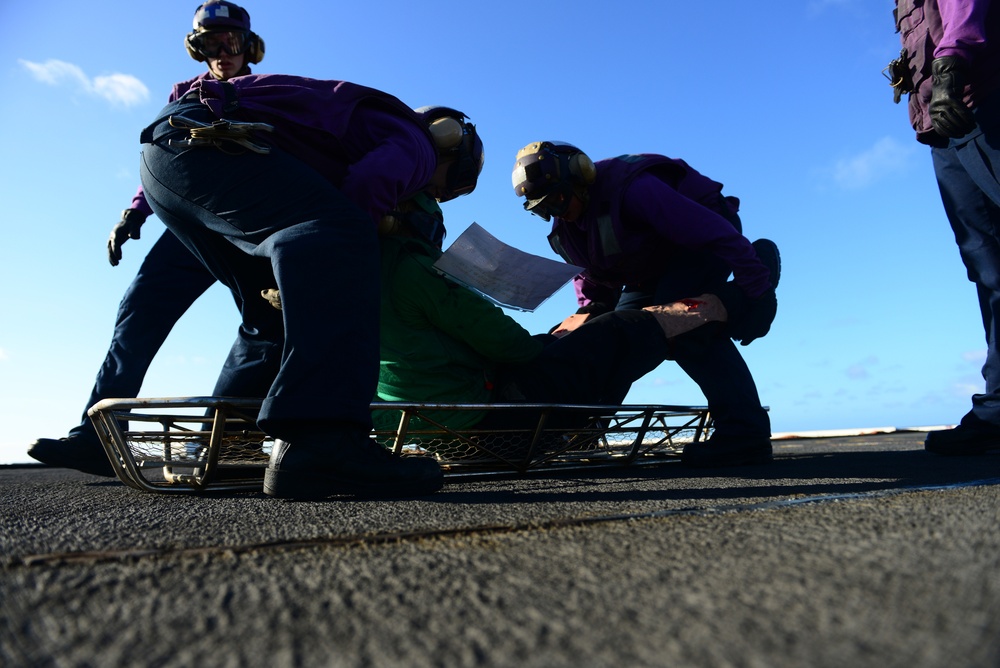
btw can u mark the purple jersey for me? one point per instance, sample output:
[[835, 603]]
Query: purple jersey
[[969, 29], [644, 210], [367, 143]]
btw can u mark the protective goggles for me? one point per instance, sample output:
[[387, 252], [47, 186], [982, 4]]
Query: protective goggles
[[212, 44]]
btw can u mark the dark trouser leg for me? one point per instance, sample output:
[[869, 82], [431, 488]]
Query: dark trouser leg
[[595, 364], [329, 366], [323, 252], [966, 174], [713, 362], [169, 280], [706, 354], [255, 357], [250, 367]]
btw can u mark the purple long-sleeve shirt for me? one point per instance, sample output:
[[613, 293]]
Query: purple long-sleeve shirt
[[964, 28], [658, 221], [689, 225], [366, 142], [968, 29]]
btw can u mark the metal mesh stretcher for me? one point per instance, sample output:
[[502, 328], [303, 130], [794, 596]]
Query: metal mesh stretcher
[[195, 444]]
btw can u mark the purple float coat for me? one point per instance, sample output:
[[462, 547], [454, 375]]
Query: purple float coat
[[658, 208], [367, 143], [969, 29]]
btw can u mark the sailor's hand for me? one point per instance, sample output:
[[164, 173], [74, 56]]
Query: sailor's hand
[[686, 314], [569, 324], [127, 228], [950, 116], [273, 297]]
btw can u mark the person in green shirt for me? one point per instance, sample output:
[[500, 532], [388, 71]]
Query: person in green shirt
[[444, 343]]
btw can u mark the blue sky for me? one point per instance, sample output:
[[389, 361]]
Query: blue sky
[[783, 102]]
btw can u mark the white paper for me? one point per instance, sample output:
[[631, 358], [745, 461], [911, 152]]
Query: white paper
[[502, 273]]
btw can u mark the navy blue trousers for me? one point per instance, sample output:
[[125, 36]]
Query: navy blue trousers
[[707, 355], [322, 251], [967, 176], [594, 364], [169, 280]]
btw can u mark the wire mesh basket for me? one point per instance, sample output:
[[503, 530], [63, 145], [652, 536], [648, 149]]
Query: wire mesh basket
[[213, 443]]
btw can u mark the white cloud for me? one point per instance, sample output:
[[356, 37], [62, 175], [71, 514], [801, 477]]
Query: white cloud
[[121, 90], [3, 355], [975, 356], [862, 170], [965, 389], [859, 371]]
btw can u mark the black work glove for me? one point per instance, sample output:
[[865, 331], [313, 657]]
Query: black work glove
[[747, 318], [127, 228], [949, 114]]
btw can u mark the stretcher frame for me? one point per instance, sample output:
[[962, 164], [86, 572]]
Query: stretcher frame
[[199, 444]]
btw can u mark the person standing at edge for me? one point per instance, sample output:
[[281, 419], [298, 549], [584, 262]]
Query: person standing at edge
[[950, 67], [170, 278]]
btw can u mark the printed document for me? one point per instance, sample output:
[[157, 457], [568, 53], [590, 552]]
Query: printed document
[[505, 275]]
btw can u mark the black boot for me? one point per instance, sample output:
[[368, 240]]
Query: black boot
[[81, 450], [971, 437], [346, 462], [723, 450]]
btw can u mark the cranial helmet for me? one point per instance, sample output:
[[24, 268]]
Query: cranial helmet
[[221, 17], [455, 137], [548, 173]]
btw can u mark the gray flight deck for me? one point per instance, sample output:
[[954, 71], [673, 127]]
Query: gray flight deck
[[853, 551]]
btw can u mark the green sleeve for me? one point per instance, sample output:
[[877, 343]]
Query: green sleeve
[[421, 294]]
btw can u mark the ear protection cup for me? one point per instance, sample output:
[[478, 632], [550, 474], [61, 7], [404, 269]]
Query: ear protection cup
[[447, 133], [193, 52], [255, 49], [582, 169], [456, 140]]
